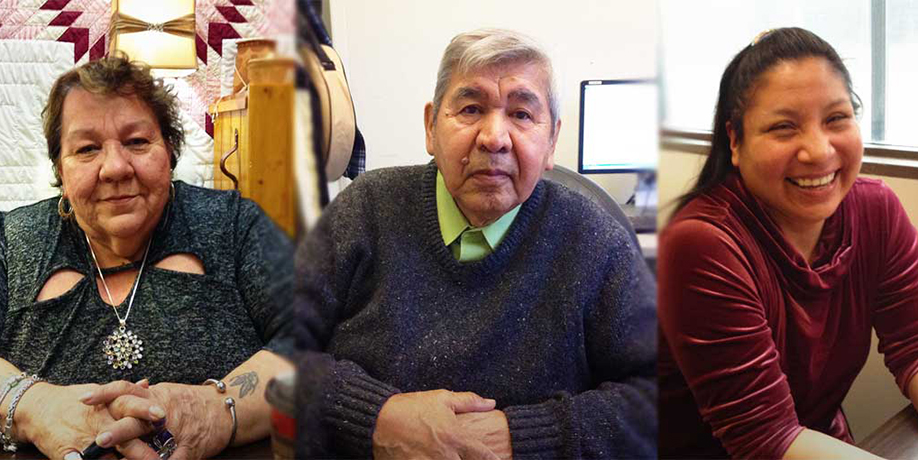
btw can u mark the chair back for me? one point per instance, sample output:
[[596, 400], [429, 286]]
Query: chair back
[[585, 186]]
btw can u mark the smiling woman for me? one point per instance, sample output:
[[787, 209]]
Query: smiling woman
[[778, 263], [130, 277], [801, 149]]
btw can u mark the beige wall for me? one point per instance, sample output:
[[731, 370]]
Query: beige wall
[[874, 396], [676, 174]]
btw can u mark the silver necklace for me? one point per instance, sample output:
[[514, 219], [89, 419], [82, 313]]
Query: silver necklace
[[122, 348]]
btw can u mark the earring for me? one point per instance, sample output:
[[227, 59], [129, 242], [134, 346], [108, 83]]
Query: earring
[[171, 191], [60, 208]]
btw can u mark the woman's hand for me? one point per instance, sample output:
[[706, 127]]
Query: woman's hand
[[54, 419], [195, 415]]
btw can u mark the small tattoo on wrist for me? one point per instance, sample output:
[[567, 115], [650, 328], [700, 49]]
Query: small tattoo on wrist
[[246, 382]]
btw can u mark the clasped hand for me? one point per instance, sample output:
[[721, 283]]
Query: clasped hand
[[64, 420], [441, 424]]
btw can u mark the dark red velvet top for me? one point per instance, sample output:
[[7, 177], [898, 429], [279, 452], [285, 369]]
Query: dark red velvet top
[[756, 343]]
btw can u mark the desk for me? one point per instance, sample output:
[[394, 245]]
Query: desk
[[260, 450], [648, 242], [897, 438]]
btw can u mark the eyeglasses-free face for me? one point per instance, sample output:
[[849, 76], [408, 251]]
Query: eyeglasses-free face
[[801, 149]]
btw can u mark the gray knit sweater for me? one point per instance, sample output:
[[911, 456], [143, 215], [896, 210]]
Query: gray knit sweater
[[194, 327], [558, 324]]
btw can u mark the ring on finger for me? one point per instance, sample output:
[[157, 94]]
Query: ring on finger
[[163, 443]]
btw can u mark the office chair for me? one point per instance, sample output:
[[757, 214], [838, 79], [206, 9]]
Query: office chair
[[586, 186]]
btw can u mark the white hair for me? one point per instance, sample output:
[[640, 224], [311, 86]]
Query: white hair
[[485, 48]]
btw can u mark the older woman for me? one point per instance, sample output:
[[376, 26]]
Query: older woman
[[129, 277], [778, 263]]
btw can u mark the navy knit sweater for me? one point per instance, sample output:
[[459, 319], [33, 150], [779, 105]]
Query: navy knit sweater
[[558, 324]]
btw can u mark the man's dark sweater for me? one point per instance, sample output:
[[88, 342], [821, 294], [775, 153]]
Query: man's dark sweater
[[558, 324]]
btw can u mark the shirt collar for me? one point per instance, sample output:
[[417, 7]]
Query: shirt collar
[[453, 222]]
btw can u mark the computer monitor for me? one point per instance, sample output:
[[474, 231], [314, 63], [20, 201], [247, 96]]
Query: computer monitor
[[619, 126]]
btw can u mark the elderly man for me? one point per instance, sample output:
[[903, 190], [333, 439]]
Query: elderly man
[[467, 309]]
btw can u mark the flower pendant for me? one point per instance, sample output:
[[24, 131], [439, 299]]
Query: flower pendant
[[123, 349]]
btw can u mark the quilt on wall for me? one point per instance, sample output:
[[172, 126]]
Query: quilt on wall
[[84, 23]]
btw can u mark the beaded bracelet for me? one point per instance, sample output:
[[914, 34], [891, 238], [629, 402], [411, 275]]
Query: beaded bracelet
[[9, 444], [230, 404]]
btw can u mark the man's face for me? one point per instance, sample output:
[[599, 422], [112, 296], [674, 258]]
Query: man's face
[[492, 138]]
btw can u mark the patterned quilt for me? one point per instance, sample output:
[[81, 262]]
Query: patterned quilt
[[85, 24]]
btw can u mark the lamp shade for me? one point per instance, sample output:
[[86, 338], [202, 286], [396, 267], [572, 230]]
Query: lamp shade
[[160, 33]]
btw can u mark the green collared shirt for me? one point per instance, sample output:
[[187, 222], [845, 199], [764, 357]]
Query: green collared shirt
[[468, 243]]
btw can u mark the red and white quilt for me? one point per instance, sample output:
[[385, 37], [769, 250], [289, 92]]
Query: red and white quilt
[[85, 24]]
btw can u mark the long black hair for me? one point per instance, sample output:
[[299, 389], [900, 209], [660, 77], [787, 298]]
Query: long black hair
[[736, 85]]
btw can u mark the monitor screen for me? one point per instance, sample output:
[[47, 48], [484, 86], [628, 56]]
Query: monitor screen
[[619, 126]]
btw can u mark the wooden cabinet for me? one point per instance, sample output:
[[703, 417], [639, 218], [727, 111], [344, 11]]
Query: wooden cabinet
[[257, 127]]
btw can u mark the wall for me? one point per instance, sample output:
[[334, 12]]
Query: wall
[[391, 50], [874, 397]]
